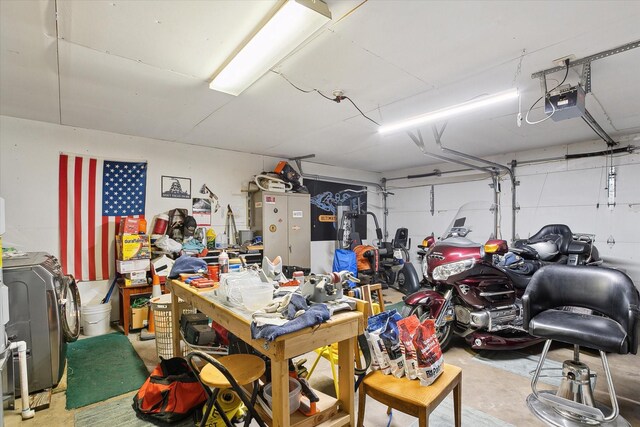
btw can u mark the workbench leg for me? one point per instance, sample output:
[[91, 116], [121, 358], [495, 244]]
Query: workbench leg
[[280, 390], [346, 382], [175, 325]]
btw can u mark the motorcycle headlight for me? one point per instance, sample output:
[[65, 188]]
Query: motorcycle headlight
[[442, 272]]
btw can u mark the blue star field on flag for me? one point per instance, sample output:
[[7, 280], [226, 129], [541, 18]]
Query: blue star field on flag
[[123, 188]]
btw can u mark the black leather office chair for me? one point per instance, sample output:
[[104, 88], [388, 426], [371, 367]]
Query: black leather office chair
[[605, 317]]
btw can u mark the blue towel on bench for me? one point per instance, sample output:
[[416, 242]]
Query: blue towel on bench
[[315, 315]]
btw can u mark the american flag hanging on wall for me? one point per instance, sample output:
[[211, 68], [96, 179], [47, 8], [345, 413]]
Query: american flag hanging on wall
[[93, 195]]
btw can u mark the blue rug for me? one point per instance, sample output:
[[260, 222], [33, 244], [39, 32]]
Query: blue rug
[[442, 416], [522, 364], [116, 413], [397, 306]]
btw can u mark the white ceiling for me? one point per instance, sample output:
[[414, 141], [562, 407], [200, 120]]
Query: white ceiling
[[142, 68]]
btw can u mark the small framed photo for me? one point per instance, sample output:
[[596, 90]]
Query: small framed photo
[[175, 187]]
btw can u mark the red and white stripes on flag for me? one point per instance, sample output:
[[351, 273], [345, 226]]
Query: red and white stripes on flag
[[87, 248]]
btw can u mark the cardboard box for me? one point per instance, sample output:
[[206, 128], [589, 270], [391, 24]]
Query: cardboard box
[[124, 267], [129, 225], [133, 246], [134, 278], [139, 317]]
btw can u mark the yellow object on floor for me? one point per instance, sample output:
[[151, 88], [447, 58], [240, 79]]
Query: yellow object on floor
[[330, 352], [232, 406]]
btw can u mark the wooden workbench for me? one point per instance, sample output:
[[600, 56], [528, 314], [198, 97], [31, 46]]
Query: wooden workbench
[[342, 328]]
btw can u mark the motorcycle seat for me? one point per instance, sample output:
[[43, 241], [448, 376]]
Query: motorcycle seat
[[561, 233], [579, 248], [521, 278], [520, 281]]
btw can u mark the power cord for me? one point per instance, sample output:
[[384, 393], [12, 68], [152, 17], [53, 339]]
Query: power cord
[[336, 98], [546, 96]]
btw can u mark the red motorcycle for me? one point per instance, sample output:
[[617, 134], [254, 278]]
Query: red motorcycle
[[476, 288]]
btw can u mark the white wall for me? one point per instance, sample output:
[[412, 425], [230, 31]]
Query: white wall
[[29, 180], [566, 191]]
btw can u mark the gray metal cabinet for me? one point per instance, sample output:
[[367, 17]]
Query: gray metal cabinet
[[283, 220]]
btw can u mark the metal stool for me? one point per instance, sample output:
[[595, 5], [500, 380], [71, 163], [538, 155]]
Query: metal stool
[[233, 371], [611, 326]]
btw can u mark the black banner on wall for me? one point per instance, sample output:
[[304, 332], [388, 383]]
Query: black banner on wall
[[325, 198]]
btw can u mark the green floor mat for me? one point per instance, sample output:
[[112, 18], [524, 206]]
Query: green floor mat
[[102, 367]]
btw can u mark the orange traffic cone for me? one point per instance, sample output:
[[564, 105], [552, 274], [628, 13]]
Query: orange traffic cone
[[150, 332], [151, 328]]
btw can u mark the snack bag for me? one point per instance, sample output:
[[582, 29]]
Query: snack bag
[[375, 326], [392, 344], [406, 330], [428, 352]]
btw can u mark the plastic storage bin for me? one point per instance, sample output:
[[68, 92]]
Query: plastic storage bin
[[294, 395], [255, 297]]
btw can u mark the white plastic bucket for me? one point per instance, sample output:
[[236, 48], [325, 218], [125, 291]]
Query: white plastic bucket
[[95, 319]]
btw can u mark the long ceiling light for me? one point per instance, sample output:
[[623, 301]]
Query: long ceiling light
[[291, 24], [450, 111]]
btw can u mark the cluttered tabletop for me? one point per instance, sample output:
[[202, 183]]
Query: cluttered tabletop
[[282, 323]]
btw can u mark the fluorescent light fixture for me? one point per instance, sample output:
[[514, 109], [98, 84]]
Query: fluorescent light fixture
[[450, 111], [291, 24]]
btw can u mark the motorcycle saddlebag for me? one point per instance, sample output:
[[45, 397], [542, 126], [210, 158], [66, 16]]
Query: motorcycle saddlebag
[[170, 393]]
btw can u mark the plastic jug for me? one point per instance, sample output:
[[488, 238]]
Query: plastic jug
[[223, 260]]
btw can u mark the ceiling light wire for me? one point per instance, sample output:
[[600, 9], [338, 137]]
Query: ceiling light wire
[[363, 114], [337, 99]]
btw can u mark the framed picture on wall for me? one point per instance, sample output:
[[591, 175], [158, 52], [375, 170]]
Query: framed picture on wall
[[175, 187]]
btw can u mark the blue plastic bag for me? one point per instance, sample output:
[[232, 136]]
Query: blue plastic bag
[[345, 259]]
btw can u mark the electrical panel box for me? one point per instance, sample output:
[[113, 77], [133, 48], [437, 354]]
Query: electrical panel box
[[568, 104], [283, 220]]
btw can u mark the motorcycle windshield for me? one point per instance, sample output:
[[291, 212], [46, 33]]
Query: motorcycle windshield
[[474, 221]]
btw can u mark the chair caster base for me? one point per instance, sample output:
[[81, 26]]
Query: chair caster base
[[553, 417]]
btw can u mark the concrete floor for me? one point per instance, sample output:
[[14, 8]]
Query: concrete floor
[[491, 390]]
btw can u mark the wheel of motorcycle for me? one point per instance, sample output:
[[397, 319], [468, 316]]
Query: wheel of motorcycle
[[70, 310], [444, 333]]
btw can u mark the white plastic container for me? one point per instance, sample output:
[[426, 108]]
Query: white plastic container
[[221, 241], [255, 297], [223, 260], [294, 395], [95, 319]]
